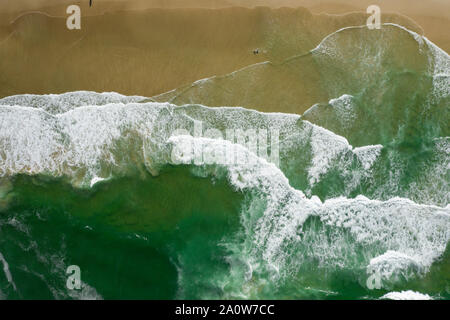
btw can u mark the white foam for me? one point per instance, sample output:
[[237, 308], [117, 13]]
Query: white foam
[[410, 234], [326, 147], [34, 141], [7, 271], [85, 138], [393, 266], [95, 180], [87, 143], [268, 182], [343, 107], [329, 149], [431, 185], [367, 155], [60, 103], [86, 292], [406, 295]]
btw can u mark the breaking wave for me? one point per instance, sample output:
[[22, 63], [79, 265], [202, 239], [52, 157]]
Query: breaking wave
[[361, 187]]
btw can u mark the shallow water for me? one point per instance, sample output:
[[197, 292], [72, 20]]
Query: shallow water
[[356, 187]]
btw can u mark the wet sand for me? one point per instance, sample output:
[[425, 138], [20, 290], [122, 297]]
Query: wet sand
[[155, 46]]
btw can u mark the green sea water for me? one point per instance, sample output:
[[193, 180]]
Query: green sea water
[[130, 235], [127, 236], [360, 189]]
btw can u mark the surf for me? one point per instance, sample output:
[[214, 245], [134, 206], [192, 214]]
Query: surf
[[358, 191]]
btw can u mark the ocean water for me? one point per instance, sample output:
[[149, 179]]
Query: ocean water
[[351, 202]]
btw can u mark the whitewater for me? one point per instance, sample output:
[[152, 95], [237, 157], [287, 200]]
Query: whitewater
[[349, 199]]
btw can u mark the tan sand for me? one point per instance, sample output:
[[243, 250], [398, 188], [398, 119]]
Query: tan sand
[[150, 51]]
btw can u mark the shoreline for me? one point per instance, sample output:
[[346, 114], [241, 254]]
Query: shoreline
[[153, 51]]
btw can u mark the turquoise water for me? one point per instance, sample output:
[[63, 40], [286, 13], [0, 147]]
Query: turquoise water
[[355, 188]]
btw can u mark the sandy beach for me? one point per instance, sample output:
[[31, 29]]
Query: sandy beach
[[151, 47]]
